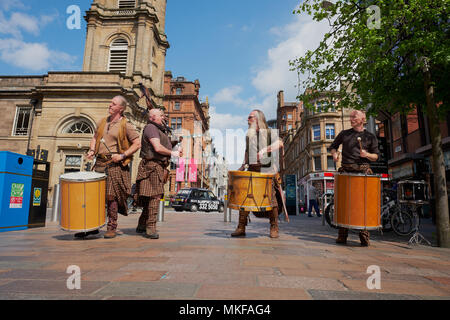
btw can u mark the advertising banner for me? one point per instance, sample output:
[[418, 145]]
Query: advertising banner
[[180, 170]]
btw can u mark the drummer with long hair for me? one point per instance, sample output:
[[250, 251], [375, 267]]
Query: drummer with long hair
[[258, 158], [114, 143], [359, 148]]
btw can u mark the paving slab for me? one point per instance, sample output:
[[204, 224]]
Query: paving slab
[[197, 259]]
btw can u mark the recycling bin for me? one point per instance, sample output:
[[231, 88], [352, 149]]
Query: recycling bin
[[39, 191], [15, 188]]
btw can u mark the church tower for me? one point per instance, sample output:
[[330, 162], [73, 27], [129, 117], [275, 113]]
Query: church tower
[[128, 36]]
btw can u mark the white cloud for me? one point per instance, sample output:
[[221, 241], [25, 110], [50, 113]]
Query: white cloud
[[222, 121], [294, 40], [17, 23], [11, 4], [32, 56], [229, 94]]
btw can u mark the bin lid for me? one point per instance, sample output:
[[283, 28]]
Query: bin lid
[[82, 176]]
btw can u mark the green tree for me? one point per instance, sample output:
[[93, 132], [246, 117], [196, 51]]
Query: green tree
[[385, 56]]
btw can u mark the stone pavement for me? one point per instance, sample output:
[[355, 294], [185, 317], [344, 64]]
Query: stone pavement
[[195, 258]]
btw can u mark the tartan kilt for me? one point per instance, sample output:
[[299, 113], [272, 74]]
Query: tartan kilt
[[150, 179], [274, 201], [118, 184]]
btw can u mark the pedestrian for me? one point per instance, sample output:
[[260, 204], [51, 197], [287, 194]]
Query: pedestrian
[[114, 143], [356, 157], [153, 171], [313, 193], [257, 158]]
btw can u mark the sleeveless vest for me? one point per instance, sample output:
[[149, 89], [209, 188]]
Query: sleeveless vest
[[122, 140]]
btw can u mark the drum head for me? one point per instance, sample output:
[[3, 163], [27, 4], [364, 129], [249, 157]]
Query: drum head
[[83, 176]]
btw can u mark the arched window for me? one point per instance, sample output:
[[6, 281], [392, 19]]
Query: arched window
[[118, 55], [127, 4], [79, 127]]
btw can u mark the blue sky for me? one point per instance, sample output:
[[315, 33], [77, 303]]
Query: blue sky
[[238, 49]]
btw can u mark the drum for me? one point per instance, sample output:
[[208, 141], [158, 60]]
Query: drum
[[357, 201], [411, 191], [82, 201], [250, 191]]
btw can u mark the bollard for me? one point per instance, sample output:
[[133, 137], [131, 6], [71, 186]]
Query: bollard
[[161, 211], [56, 203], [229, 215], [225, 211]]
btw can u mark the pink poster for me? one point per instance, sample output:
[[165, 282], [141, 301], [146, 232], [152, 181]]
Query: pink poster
[[192, 171], [180, 170]]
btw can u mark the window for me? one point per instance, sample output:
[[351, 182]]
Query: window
[[284, 116], [179, 90], [316, 132], [79, 127], [177, 106], [289, 126], [118, 55], [22, 123], [127, 4], [319, 107], [72, 164], [176, 123], [289, 116], [329, 131], [317, 163], [330, 163]]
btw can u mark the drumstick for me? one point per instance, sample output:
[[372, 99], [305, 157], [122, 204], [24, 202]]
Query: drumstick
[[360, 144], [103, 141]]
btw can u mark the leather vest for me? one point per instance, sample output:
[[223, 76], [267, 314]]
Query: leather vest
[[147, 150]]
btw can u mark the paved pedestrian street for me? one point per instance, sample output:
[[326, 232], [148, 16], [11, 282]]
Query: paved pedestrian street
[[195, 258]]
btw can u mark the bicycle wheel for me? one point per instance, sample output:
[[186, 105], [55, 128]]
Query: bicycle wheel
[[329, 214], [403, 223]]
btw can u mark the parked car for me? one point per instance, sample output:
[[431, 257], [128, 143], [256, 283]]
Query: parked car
[[196, 199]]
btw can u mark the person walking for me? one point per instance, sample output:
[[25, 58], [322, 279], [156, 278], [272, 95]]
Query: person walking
[[313, 194]]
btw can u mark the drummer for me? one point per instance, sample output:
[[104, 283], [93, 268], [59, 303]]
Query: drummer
[[153, 171], [113, 144], [257, 158], [356, 157]]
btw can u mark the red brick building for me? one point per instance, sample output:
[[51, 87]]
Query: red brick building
[[189, 118]]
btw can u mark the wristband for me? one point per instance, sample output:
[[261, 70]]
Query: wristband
[[123, 156]]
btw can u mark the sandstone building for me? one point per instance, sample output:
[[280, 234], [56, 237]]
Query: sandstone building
[[125, 45]]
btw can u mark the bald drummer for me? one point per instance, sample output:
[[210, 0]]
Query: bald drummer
[[359, 148]]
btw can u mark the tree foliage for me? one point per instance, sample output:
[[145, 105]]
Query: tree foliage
[[379, 65]]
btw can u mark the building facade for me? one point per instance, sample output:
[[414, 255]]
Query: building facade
[[54, 116], [288, 115], [308, 155], [189, 118]]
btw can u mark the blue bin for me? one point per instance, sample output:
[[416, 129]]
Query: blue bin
[[15, 190]]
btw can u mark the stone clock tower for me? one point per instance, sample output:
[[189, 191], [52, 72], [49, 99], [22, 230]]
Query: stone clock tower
[[128, 36]]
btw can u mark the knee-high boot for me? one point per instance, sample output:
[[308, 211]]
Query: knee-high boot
[[274, 223], [240, 230]]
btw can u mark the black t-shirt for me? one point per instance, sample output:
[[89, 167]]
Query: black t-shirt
[[350, 145]]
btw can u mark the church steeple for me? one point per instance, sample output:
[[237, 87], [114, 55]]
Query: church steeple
[[128, 36]]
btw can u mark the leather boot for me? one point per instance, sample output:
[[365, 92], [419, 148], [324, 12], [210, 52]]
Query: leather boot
[[240, 230], [109, 234], [342, 236], [274, 223], [150, 231], [141, 228], [364, 238]]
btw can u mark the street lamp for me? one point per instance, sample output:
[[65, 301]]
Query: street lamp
[[33, 102]]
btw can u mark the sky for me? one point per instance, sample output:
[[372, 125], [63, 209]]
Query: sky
[[239, 50]]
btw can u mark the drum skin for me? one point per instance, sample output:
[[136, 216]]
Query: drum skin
[[250, 191], [83, 204], [357, 201]]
